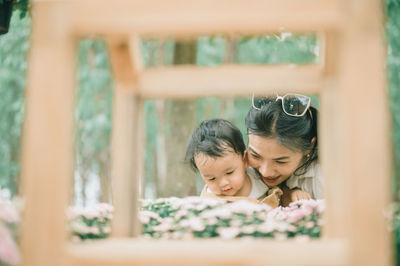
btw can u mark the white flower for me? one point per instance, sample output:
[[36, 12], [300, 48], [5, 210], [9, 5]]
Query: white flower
[[248, 229], [321, 206], [235, 223], [90, 214], [149, 214], [309, 225], [196, 224], [228, 232], [79, 227], [177, 235], [266, 227], [181, 213], [163, 227], [211, 221], [106, 229], [201, 207], [8, 212], [94, 230], [221, 212], [184, 223]]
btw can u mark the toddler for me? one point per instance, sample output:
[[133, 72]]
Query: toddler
[[216, 149]]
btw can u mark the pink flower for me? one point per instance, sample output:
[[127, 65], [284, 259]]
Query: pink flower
[[8, 249]]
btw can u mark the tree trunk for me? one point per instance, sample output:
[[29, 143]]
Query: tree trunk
[[181, 117]]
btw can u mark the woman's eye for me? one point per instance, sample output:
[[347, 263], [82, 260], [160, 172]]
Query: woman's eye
[[279, 162], [255, 156], [229, 173]]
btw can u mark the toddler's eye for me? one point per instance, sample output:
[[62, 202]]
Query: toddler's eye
[[211, 179], [229, 173]]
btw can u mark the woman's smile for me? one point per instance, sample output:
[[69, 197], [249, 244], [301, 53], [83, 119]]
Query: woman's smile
[[271, 180]]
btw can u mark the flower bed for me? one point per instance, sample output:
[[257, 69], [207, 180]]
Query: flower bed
[[174, 218], [195, 217], [91, 222]]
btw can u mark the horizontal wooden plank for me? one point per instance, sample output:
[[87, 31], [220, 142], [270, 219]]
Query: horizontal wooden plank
[[119, 252], [234, 80], [165, 17]]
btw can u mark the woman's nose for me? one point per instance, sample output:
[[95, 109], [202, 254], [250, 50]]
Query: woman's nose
[[266, 170]]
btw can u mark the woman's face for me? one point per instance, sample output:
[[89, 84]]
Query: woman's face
[[274, 162]]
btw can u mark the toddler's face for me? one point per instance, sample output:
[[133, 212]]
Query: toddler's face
[[274, 162], [223, 175]]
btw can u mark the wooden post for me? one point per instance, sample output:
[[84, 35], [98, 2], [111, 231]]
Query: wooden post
[[126, 112], [365, 147], [47, 147]]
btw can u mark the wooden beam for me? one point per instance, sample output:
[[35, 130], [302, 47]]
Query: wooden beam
[[174, 17], [235, 80], [47, 146], [124, 252]]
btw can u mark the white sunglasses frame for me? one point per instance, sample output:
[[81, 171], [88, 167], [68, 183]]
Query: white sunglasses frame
[[283, 107]]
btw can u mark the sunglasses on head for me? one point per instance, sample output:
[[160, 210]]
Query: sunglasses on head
[[292, 104]]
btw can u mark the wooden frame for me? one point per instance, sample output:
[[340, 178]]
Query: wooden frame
[[355, 150]]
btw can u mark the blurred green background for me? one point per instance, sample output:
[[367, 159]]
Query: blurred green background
[[169, 123]]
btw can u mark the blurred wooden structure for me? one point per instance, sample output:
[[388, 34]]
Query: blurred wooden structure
[[354, 128]]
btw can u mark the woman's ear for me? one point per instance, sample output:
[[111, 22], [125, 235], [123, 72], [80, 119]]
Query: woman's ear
[[246, 159], [313, 141]]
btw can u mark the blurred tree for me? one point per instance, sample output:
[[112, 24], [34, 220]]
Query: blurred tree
[[13, 49], [393, 63], [93, 123], [180, 119]]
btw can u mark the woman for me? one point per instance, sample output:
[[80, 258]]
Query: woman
[[283, 145]]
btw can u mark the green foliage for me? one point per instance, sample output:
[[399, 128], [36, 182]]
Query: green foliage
[[13, 49], [393, 66], [279, 48], [210, 51], [22, 6]]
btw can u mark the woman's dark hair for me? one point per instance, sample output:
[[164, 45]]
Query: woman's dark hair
[[213, 137], [295, 133]]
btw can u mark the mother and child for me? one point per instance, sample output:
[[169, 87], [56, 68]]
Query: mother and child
[[282, 152]]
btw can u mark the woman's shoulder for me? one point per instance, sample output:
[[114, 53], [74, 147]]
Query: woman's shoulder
[[313, 172]]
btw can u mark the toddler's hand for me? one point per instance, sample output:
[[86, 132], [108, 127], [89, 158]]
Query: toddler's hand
[[298, 194]]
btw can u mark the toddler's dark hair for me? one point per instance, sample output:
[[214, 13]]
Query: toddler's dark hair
[[213, 137]]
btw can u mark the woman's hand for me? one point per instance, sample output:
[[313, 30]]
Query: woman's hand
[[298, 194], [290, 195]]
